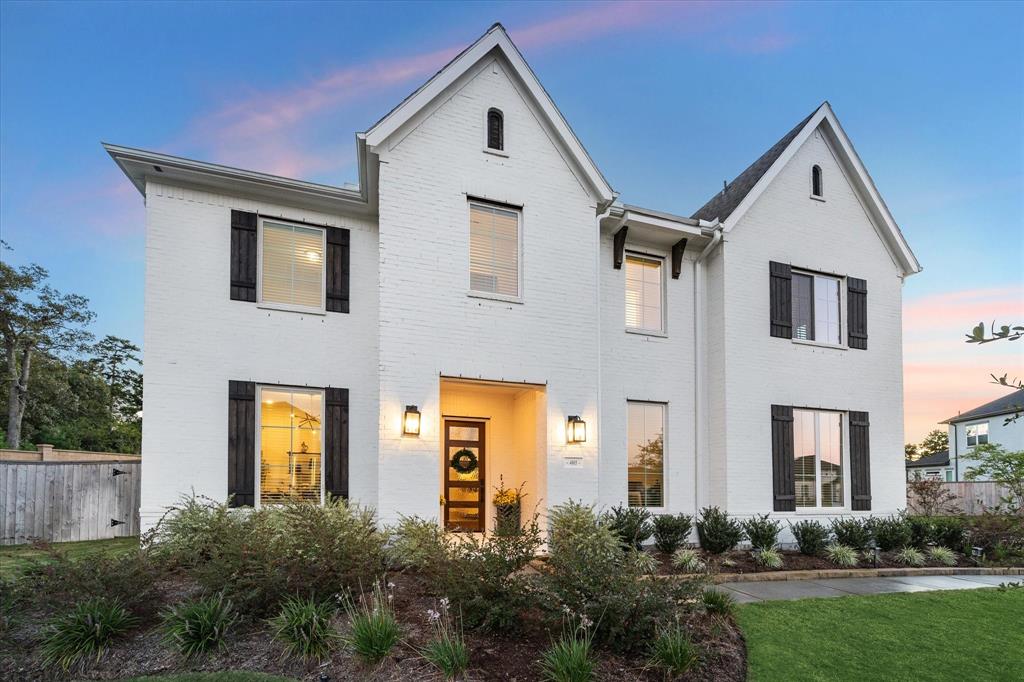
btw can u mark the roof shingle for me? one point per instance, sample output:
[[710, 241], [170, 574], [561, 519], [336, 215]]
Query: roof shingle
[[1008, 404]]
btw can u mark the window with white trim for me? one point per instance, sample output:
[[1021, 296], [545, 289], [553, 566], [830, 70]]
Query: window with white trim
[[818, 458], [494, 245], [292, 265], [646, 461], [290, 444], [644, 293], [816, 188], [977, 434], [816, 306]]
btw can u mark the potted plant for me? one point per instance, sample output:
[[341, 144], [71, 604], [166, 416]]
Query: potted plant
[[508, 504]]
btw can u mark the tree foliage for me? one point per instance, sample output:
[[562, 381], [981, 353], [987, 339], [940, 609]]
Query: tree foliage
[[937, 440], [1003, 466]]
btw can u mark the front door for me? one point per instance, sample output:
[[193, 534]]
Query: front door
[[464, 475]]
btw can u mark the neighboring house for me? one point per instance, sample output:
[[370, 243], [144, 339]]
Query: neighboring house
[[985, 424], [935, 467], [483, 308]]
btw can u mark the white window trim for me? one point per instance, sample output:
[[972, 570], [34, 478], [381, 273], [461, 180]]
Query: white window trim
[[818, 509], [259, 433], [272, 305], [663, 509], [987, 434], [473, 293], [818, 197], [844, 341], [504, 135], [662, 288]]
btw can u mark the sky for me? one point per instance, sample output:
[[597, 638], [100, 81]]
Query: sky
[[669, 99]]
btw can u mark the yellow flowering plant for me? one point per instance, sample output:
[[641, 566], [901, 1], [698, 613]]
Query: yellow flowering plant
[[507, 496]]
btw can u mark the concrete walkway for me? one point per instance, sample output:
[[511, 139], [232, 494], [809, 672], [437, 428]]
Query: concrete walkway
[[745, 592]]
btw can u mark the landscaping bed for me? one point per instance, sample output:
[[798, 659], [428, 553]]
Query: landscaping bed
[[742, 561]]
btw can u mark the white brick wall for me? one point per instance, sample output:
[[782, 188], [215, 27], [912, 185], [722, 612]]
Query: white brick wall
[[197, 339]]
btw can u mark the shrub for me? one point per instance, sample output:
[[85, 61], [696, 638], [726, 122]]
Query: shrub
[[949, 532], [717, 601], [717, 532], [762, 532], [128, 579], [910, 556], [769, 558], [688, 561], [303, 627], [841, 555], [198, 626], [375, 629], [671, 531], [942, 555], [570, 659], [891, 533], [420, 544], [929, 497], [447, 650], [921, 530], [673, 652], [631, 524], [997, 533], [852, 532], [588, 574], [85, 631], [189, 532], [811, 536]]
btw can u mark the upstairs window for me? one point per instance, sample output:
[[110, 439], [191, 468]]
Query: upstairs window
[[977, 434], [493, 250], [816, 308], [816, 189], [644, 291], [292, 265], [495, 130]]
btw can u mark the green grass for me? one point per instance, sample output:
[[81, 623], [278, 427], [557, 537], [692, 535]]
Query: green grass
[[14, 559], [212, 677], [952, 635]]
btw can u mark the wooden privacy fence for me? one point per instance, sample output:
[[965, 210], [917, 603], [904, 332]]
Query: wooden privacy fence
[[61, 501], [972, 497]]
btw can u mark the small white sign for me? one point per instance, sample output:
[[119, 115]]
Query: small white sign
[[572, 462]]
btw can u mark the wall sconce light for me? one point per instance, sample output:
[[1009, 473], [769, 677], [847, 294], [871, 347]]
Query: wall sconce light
[[575, 430], [411, 421]]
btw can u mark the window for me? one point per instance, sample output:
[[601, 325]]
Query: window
[[292, 267], [818, 458], [977, 434], [816, 190], [949, 475], [646, 454], [291, 440], [495, 130], [643, 293], [493, 250], [816, 308]]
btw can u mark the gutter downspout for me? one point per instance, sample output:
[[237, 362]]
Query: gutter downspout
[[600, 358], [699, 373]]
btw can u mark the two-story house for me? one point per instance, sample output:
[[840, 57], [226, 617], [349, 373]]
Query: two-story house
[[483, 308]]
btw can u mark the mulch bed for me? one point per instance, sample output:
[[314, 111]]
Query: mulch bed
[[250, 647], [741, 561]]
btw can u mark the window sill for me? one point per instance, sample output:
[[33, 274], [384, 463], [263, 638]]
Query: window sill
[[495, 297], [820, 344], [291, 309], [496, 152], [647, 332], [818, 198]]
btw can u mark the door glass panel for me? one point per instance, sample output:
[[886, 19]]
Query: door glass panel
[[460, 494], [459, 453], [464, 432], [466, 519]]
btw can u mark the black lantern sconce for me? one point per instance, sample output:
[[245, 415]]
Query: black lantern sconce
[[575, 430], [411, 421]]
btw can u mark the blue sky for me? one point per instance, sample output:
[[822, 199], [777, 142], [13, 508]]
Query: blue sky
[[669, 99]]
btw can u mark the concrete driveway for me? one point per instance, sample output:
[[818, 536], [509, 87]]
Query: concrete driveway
[[745, 592]]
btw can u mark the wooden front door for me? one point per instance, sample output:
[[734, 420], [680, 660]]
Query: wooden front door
[[464, 475]]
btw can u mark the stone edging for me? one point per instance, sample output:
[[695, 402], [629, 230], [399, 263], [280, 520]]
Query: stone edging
[[824, 574]]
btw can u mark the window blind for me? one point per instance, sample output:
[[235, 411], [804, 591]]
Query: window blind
[[493, 250], [293, 265], [643, 293]]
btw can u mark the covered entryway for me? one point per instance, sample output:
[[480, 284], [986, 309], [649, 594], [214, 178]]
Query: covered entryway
[[492, 434]]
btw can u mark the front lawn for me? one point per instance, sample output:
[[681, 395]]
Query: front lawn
[[14, 559], [952, 635]]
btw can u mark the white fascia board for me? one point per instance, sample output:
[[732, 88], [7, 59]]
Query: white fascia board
[[891, 234], [495, 38]]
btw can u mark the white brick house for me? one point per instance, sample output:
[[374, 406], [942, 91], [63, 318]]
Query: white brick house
[[486, 273]]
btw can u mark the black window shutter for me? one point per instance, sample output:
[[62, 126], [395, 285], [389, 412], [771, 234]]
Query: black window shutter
[[242, 443], [337, 269], [857, 312], [860, 462], [243, 256], [783, 481], [336, 443], [781, 293]]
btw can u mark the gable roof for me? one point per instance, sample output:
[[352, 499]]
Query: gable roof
[[937, 459], [1008, 404], [495, 40], [729, 205]]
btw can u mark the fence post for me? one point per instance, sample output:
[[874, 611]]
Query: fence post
[[45, 451]]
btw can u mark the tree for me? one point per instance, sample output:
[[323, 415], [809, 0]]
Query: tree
[[936, 441], [35, 318], [1002, 466], [910, 452], [929, 497], [1006, 332], [113, 359]]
